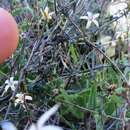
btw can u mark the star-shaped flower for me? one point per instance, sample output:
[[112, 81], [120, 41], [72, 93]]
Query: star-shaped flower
[[42, 120], [117, 8], [21, 98], [46, 14], [91, 18], [10, 83], [40, 125]]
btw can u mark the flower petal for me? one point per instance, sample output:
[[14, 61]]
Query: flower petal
[[11, 79], [113, 43], [6, 88], [6, 125], [15, 82], [19, 95], [7, 82], [90, 15], [51, 127], [15, 104], [96, 23], [88, 24], [17, 101], [84, 17], [32, 127], [46, 116], [28, 97], [46, 10], [12, 87]]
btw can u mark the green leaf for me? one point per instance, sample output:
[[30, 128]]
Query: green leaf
[[80, 99], [73, 53], [120, 90], [117, 100], [92, 98], [110, 107]]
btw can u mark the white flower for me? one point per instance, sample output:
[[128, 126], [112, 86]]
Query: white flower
[[116, 8], [104, 39], [46, 14], [21, 98], [91, 18], [42, 120], [6, 125], [113, 43], [10, 83]]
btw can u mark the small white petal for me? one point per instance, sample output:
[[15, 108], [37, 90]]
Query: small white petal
[[90, 15], [11, 79], [13, 87], [15, 82], [15, 104], [96, 23], [19, 95], [17, 101], [113, 43], [51, 127], [84, 17], [6, 88], [46, 10], [46, 116], [28, 97], [23, 106], [7, 82], [32, 127], [6, 125], [88, 24]]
